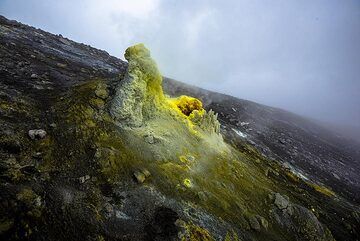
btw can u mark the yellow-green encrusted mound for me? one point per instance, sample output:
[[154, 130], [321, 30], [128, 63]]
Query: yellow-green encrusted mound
[[164, 127], [138, 95]]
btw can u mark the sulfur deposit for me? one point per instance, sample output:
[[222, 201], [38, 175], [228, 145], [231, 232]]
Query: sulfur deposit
[[139, 97]]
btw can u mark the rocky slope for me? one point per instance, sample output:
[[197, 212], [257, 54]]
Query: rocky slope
[[92, 149]]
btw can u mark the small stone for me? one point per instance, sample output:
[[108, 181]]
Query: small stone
[[254, 223], [139, 176], [187, 183], [37, 134], [37, 155], [34, 76], [149, 139], [37, 201], [121, 215], [53, 125], [280, 201], [84, 178], [282, 141], [97, 103], [180, 223], [61, 65], [263, 222], [101, 92], [190, 158], [289, 210], [336, 176], [98, 153], [287, 165], [146, 172]]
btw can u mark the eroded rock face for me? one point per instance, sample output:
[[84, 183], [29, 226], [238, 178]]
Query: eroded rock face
[[280, 201], [299, 221], [140, 92]]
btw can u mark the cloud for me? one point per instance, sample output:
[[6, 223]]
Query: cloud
[[141, 9], [298, 55], [197, 24]]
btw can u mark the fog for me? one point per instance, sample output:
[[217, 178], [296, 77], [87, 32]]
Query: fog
[[302, 56]]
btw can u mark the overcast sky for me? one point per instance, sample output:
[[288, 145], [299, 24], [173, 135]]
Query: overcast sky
[[303, 56]]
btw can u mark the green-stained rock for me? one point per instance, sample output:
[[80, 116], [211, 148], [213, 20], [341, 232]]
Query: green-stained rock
[[139, 93]]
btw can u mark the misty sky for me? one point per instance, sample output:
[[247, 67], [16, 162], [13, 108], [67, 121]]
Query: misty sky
[[303, 56]]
